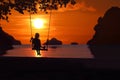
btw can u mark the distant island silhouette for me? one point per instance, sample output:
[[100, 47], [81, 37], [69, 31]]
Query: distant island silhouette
[[53, 41], [74, 43], [6, 41], [105, 43]]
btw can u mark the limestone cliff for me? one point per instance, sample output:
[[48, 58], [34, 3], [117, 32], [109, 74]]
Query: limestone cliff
[[107, 30], [6, 41]]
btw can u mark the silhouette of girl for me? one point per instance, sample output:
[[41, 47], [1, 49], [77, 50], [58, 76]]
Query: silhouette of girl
[[36, 43]]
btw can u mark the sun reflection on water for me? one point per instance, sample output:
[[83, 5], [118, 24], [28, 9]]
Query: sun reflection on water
[[37, 55]]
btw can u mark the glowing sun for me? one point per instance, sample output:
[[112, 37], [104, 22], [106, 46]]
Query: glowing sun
[[38, 23]]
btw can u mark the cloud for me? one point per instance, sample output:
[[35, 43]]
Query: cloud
[[78, 6]]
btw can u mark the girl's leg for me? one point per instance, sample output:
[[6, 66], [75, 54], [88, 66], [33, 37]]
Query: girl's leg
[[38, 52]]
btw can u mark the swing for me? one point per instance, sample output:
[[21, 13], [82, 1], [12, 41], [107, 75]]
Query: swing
[[44, 48]]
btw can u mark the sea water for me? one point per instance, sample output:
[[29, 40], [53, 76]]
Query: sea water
[[57, 51]]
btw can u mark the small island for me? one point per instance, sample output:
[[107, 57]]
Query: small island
[[74, 43], [53, 41]]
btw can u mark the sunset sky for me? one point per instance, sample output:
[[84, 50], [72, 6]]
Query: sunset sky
[[71, 24]]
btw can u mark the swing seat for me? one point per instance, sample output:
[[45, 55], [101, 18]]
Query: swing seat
[[42, 48]]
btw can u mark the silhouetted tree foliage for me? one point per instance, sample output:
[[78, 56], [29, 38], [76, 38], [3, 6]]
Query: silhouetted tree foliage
[[30, 6]]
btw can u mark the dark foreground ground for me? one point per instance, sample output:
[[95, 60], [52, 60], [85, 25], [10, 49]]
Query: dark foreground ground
[[30, 68]]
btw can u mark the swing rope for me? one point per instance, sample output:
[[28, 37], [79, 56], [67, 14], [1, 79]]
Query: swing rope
[[30, 25], [49, 28]]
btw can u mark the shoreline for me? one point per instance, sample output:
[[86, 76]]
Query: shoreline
[[88, 63], [30, 68]]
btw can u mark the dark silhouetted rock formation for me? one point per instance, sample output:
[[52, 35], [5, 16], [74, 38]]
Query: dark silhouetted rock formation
[[53, 41], [6, 41], [105, 44], [74, 43], [107, 30]]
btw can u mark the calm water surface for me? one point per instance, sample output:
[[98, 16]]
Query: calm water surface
[[62, 51]]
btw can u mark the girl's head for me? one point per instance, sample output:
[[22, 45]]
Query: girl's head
[[37, 35]]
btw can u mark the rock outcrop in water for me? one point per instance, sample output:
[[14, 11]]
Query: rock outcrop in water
[[74, 43], [6, 41], [53, 41], [107, 30]]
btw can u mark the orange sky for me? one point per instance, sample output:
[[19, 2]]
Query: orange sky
[[71, 24]]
